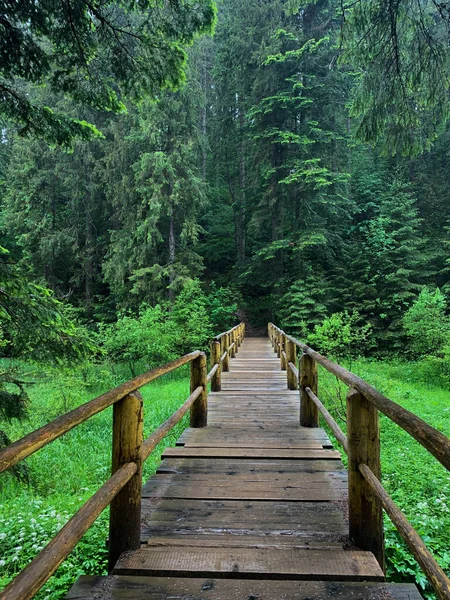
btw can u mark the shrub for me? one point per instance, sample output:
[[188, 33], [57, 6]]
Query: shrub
[[427, 325], [340, 335], [222, 308], [190, 318], [149, 336], [158, 334]]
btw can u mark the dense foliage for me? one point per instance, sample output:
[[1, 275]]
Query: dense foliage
[[300, 176], [94, 51], [248, 177]]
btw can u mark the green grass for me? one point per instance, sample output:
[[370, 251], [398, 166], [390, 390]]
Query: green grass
[[64, 474], [417, 482], [67, 472]]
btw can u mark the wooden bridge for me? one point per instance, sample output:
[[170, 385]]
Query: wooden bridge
[[253, 503]]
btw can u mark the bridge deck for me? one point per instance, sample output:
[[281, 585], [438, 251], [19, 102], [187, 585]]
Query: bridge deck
[[251, 507]]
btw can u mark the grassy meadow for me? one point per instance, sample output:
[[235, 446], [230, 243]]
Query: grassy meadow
[[66, 473]]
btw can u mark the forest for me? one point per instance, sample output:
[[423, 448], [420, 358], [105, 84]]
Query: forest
[[178, 167]]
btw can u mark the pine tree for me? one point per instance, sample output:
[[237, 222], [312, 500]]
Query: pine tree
[[94, 51], [152, 250], [399, 50], [385, 261]]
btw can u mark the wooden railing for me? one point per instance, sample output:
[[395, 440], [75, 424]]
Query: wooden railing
[[129, 451], [366, 495]]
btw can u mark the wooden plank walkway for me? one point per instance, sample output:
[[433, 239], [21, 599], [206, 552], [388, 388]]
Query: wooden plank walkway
[[251, 507]]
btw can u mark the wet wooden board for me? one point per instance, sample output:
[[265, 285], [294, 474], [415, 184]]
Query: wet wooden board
[[250, 491], [321, 487], [185, 538], [177, 588], [214, 435], [238, 453], [230, 466], [251, 563], [325, 517], [231, 537], [233, 478], [294, 431]]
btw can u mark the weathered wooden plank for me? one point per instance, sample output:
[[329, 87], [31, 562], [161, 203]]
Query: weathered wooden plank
[[297, 564], [266, 453], [258, 444], [272, 479], [315, 492], [202, 465], [325, 517], [291, 434], [177, 588], [187, 538]]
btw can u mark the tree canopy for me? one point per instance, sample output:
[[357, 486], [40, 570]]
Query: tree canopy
[[97, 52], [399, 51]]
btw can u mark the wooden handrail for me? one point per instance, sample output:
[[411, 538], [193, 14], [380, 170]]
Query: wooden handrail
[[430, 438], [294, 369], [32, 578], [237, 328], [436, 575], [153, 440], [125, 398], [367, 497], [213, 372], [29, 444], [338, 433]]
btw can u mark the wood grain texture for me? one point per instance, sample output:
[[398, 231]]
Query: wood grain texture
[[177, 588], [251, 563], [216, 379], [199, 409], [309, 414], [238, 453]]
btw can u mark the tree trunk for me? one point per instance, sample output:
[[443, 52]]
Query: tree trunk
[[204, 116], [89, 253], [239, 213], [172, 252]]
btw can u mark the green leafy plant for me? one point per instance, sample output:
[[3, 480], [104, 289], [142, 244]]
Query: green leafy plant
[[341, 335], [426, 323]]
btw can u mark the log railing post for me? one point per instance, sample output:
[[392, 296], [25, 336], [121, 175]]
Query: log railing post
[[278, 347], [199, 410], [233, 339], [225, 345], [125, 513], [282, 352], [365, 510], [216, 381], [307, 373], [291, 357], [237, 339]]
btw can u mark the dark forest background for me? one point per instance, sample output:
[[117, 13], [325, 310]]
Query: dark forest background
[[255, 183]]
